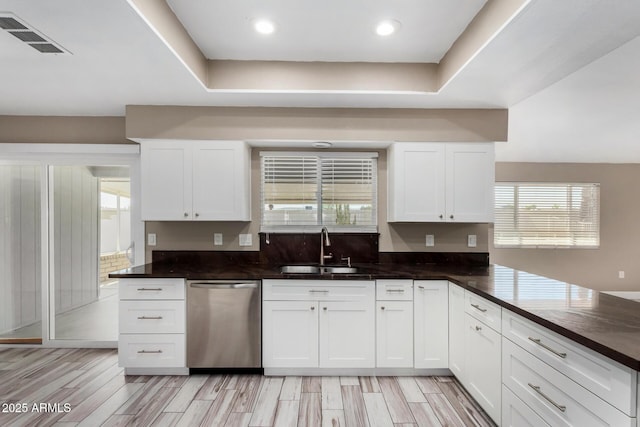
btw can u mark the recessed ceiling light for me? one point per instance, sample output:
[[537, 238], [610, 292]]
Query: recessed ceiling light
[[264, 26], [387, 27], [321, 144]]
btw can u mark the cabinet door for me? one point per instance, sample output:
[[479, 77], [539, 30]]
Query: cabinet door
[[416, 182], [166, 181], [394, 334], [483, 363], [221, 173], [457, 333], [347, 334], [431, 308], [470, 171], [290, 334]]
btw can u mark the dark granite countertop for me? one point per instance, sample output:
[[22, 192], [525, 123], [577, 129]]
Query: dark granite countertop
[[607, 324]]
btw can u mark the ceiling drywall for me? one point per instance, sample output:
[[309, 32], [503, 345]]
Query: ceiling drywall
[[566, 70]]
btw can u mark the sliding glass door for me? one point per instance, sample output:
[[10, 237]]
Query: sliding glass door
[[90, 232]]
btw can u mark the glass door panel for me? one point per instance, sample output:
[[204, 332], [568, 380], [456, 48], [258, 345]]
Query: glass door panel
[[20, 254], [90, 232]]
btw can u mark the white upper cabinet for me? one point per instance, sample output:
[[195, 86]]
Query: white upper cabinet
[[195, 180], [441, 182]]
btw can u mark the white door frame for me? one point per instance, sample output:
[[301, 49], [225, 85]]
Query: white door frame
[[47, 155]]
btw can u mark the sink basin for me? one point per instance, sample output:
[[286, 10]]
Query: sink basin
[[340, 270], [300, 269], [315, 269]]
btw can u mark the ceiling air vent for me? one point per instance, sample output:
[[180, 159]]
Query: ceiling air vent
[[19, 29]]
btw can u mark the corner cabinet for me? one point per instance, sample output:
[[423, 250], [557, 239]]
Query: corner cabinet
[[441, 182], [195, 180]]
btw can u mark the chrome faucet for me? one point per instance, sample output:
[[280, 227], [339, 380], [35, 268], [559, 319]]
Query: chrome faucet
[[324, 241]]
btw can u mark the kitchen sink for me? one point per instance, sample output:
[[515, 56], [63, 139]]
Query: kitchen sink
[[315, 269]]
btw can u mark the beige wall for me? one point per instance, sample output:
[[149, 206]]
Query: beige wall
[[337, 124], [62, 130], [192, 235], [619, 227]]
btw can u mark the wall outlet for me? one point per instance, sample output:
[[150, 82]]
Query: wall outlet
[[217, 239], [151, 239], [621, 274], [430, 240], [472, 240], [245, 239]]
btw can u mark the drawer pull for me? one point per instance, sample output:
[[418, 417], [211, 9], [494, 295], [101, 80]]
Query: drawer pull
[[318, 291], [149, 351], [478, 328], [396, 290], [477, 307], [546, 347], [149, 289], [149, 317], [547, 398], [421, 287]]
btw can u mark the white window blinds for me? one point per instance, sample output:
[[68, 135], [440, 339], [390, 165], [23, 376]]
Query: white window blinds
[[337, 190], [547, 215]]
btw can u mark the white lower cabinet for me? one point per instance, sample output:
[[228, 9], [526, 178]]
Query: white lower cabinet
[[557, 399], [347, 335], [394, 334], [152, 326], [482, 365], [290, 334], [516, 414], [431, 334], [333, 327], [457, 333]]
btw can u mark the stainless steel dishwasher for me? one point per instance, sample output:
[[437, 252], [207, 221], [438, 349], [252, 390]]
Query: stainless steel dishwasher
[[223, 324]]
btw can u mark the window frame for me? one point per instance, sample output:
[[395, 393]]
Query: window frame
[[312, 228], [516, 185]]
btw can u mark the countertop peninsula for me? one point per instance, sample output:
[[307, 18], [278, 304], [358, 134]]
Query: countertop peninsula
[[607, 324]]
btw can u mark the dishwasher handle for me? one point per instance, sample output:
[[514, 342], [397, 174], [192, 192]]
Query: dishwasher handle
[[209, 285]]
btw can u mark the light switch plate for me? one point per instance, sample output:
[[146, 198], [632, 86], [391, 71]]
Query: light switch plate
[[472, 240], [245, 239], [151, 239], [430, 240], [217, 239]]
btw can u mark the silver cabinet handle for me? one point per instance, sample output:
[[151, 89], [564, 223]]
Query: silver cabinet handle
[[401, 291], [197, 214], [312, 308], [451, 216], [547, 398], [382, 308], [441, 216], [318, 291], [546, 347], [477, 307], [149, 289], [478, 328], [324, 308], [421, 287], [186, 214], [150, 317], [149, 351]]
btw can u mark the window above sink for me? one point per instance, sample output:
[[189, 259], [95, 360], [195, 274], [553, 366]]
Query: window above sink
[[307, 190]]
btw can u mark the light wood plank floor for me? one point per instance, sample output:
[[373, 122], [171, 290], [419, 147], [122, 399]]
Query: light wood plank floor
[[97, 393]]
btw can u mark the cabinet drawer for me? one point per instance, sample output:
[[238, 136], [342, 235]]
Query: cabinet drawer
[[318, 290], [487, 312], [151, 289], [611, 381], [555, 398], [152, 350], [167, 317], [516, 414], [394, 290]]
